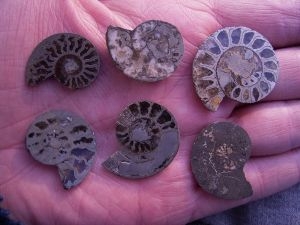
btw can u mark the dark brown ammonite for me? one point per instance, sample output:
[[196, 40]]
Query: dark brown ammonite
[[150, 139], [70, 58]]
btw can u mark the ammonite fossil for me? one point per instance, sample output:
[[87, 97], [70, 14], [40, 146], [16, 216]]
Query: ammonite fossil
[[65, 140], [219, 154], [236, 62], [70, 58], [150, 139], [148, 53]]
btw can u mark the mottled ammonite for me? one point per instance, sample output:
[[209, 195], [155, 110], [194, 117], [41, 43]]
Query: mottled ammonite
[[150, 139], [236, 62], [151, 52], [70, 58], [65, 140], [219, 154]]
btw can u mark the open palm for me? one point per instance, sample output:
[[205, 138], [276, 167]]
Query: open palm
[[33, 191]]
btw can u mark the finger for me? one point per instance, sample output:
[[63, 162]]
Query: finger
[[273, 127], [279, 21], [267, 176]]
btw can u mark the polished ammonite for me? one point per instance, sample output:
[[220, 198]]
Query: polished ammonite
[[236, 62], [65, 140], [70, 58], [150, 52], [219, 154], [149, 136]]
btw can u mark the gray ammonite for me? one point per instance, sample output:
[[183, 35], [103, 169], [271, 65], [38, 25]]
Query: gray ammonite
[[219, 154], [150, 140], [70, 58], [236, 62], [65, 140], [151, 52]]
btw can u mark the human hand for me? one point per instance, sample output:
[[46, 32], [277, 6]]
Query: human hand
[[33, 192]]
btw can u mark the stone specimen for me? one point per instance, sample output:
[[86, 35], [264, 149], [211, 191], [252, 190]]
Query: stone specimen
[[219, 154], [150, 139], [236, 62], [151, 52], [70, 58], [65, 140]]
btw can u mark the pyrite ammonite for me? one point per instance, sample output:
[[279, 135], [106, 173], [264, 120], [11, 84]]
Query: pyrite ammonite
[[70, 58], [219, 154], [65, 140], [151, 52], [149, 137], [236, 62]]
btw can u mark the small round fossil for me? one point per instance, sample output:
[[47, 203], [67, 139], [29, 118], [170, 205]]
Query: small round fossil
[[148, 53], [150, 139], [63, 139], [236, 62], [70, 58], [219, 154]]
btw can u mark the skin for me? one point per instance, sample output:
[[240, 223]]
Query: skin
[[33, 191]]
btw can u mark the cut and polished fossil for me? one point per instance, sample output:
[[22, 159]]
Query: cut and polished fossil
[[150, 139], [151, 52], [65, 140], [236, 62], [219, 154], [70, 58]]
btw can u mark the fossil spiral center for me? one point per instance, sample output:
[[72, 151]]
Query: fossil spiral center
[[240, 65], [52, 140], [68, 65], [141, 136], [159, 45], [54, 143], [140, 130]]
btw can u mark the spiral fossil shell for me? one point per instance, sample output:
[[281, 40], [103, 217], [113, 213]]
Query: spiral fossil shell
[[70, 58], [150, 139], [65, 140], [149, 53], [236, 62], [219, 154]]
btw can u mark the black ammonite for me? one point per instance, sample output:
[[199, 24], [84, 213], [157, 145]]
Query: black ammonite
[[151, 52], [237, 62], [65, 140], [150, 139], [219, 154], [70, 58]]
